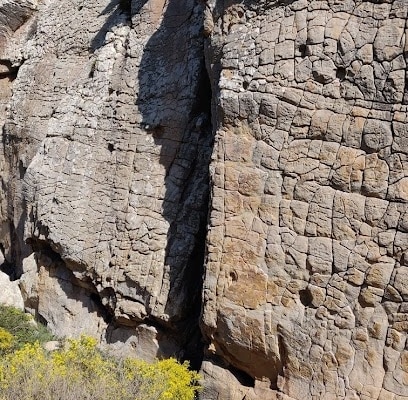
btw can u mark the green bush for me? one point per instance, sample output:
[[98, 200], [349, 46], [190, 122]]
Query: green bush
[[79, 371], [23, 327]]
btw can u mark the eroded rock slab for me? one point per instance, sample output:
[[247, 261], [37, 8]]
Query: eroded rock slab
[[107, 142], [305, 285]]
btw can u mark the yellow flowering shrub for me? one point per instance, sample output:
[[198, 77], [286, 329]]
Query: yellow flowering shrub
[[79, 371], [6, 341], [164, 379], [23, 373]]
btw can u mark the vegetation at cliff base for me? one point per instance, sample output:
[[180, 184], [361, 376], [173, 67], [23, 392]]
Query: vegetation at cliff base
[[6, 341], [22, 327], [78, 370]]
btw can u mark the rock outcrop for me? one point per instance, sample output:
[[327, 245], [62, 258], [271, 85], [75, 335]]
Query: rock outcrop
[[305, 288], [223, 174], [10, 294], [106, 149]]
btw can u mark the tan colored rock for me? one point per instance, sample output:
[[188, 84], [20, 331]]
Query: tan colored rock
[[51, 292], [109, 120], [379, 274], [335, 248]]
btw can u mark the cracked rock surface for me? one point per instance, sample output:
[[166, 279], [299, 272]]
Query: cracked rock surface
[[228, 174], [306, 279], [106, 145]]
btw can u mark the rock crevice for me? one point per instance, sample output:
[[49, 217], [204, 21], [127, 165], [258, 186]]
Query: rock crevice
[[219, 174]]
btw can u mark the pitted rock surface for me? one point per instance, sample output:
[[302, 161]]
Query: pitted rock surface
[[306, 277], [110, 111]]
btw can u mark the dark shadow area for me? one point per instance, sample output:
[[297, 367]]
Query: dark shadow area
[[174, 99], [305, 297], [9, 269], [7, 70], [11, 244], [119, 11], [175, 102], [243, 378]]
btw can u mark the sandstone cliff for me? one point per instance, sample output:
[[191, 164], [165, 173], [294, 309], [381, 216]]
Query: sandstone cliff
[[221, 179], [107, 142], [307, 245]]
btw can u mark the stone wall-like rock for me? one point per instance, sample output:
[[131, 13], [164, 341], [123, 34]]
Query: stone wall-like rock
[[305, 289], [107, 141], [109, 111]]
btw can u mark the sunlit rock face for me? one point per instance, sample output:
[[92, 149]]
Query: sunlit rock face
[[180, 174], [306, 276], [106, 146]]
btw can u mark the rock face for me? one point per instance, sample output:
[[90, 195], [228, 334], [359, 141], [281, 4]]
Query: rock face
[[10, 294], [306, 276], [106, 149], [111, 111]]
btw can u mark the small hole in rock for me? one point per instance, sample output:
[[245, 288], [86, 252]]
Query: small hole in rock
[[234, 276], [111, 147], [245, 85], [303, 50], [305, 297], [341, 73]]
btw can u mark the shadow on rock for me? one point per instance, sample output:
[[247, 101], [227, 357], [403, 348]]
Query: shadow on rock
[[174, 100]]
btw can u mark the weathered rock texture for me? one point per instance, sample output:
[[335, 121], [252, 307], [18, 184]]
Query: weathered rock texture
[[10, 294], [306, 277], [106, 148], [110, 113]]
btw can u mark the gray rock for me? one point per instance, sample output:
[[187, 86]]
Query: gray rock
[[117, 145], [10, 294]]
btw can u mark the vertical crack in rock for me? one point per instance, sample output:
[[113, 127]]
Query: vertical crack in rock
[[194, 200], [108, 155], [185, 157], [405, 55]]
